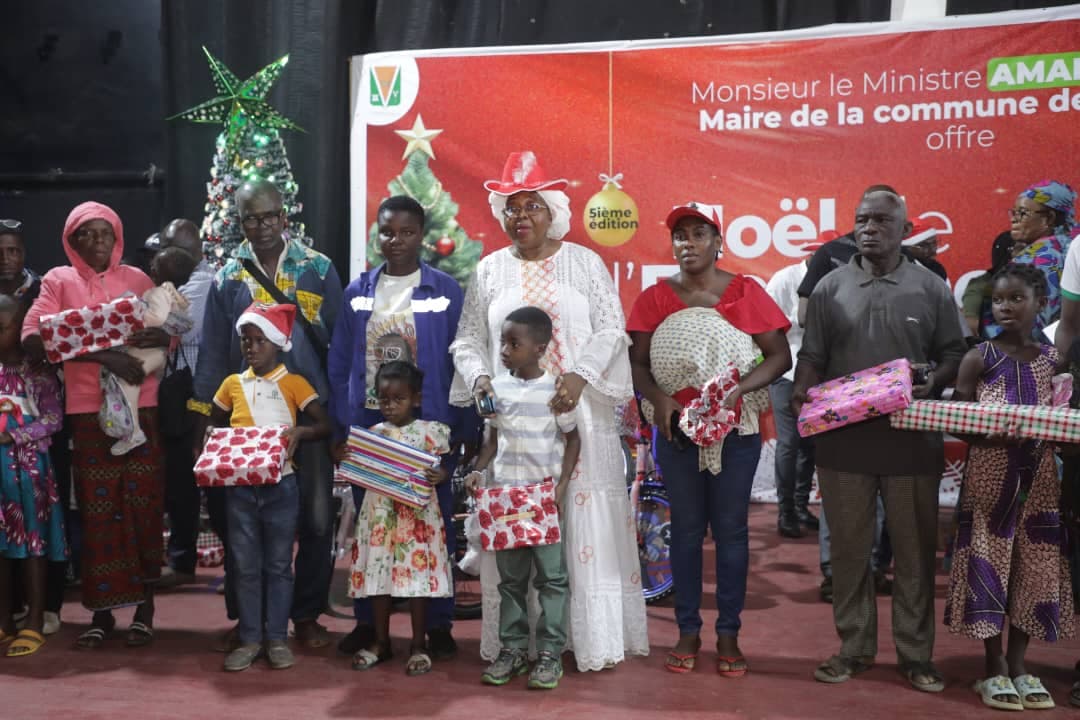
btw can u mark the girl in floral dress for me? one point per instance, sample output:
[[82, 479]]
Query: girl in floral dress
[[1009, 569], [400, 551], [31, 520]]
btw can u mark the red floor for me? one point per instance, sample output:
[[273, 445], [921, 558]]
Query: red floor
[[786, 631]]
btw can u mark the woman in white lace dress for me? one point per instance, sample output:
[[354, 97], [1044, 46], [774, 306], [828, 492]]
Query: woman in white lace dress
[[589, 356]]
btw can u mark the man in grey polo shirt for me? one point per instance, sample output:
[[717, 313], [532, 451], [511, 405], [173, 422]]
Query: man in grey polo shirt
[[877, 308]]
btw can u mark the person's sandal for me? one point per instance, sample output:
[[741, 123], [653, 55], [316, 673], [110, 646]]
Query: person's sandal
[[935, 684], [94, 638], [139, 635], [27, 642], [840, 669], [419, 663], [999, 693], [1026, 686], [365, 659], [683, 662], [732, 662]]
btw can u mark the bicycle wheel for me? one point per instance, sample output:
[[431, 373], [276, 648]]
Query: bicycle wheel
[[653, 516], [467, 598]]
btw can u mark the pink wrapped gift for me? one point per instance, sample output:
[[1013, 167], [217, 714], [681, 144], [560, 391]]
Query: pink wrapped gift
[[242, 456], [863, 395], [1032, 422], [515, 517], [72, 333], [705, 420]]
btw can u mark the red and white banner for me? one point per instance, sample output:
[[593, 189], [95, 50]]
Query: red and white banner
[[780, 130]]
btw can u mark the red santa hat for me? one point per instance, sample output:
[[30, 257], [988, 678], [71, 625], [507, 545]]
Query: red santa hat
[[705, 212], [522, 173], [275, 321]]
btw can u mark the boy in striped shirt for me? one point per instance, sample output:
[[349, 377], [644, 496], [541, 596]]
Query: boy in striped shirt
[[528, 443]]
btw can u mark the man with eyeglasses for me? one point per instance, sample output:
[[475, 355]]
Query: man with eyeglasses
[[270, 262]]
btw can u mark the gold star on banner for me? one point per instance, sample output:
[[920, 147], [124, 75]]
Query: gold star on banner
[[419, 139], [239, 103]]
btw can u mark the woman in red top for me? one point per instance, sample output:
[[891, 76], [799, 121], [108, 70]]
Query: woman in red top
[[686, 330]]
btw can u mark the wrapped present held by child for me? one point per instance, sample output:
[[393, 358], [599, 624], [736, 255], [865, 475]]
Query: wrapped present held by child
[[517, 516], [386, 466], [863, 395], [73, 333], [1031, 422], [242, 456]]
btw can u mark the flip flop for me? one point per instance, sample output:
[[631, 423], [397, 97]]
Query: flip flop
[[365, 659], [680, 663], [997, 686], [27, 642], [139, 635], [840, 669], [732, 671], [93, 638], [419, 663], [934, 686], [1026, 686]]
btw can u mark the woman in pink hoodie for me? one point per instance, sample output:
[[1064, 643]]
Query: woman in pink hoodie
[[120, 497]]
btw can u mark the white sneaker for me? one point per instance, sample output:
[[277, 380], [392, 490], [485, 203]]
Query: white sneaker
[[123, 447], [52, 623]]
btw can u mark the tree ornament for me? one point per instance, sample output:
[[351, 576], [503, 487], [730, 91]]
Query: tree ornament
[[445, 246], [611, 216]]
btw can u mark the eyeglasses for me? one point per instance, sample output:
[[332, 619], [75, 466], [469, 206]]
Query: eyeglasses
[[267, 220], [531, 209], [13, 225], [1022, 214]]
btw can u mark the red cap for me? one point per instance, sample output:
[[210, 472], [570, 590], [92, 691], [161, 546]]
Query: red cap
[[522, 173], [920, 232], [708, 213]]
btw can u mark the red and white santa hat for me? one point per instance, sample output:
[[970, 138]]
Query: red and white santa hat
[[522, 173], [275, 321], [921, 231]]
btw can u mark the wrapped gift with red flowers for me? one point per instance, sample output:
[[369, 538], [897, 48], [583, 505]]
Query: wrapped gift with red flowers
[[1031, 422], [517, 516], [863, 395], [705, 420], [242, 456], [73, 333]]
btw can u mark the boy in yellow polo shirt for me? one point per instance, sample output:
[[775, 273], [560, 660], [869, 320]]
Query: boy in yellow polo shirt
[[261, 519]]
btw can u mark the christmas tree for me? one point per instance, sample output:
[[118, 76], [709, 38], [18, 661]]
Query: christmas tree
[[249, 148], [446, 245]]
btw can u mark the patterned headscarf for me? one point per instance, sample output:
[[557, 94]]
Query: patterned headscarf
[[1060, 197]]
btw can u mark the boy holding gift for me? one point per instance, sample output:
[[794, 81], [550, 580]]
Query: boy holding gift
[[262, 518], [529, 444]]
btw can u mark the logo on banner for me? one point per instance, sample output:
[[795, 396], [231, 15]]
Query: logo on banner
[[385, 85], [393, 83]]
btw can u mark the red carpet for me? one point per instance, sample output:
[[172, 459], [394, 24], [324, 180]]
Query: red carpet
[[786, 632]]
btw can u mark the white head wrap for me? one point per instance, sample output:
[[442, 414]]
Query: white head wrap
[[556, 200]]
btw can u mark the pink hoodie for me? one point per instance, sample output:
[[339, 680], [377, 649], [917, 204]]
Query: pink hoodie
[[77, 285]]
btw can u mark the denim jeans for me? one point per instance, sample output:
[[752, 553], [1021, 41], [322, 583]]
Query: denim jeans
[[794, 469], [262, 523], [880, 556], [440, 612], [699, 500]]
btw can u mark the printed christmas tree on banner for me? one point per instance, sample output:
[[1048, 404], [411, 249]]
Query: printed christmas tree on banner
[[249, 148], [446, 245]]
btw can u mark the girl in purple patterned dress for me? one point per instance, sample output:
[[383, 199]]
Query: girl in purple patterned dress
[[31, 520], [1008, 560]]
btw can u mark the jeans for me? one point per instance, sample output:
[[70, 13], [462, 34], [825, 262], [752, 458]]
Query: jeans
[[794, 454], [699, 499], [315, 529], [181, 502], [440, 612], [880, 555], [262, 526]]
